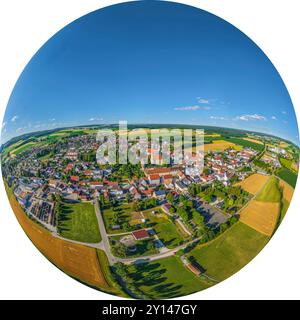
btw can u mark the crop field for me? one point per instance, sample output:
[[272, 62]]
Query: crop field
[[289, 164], [245, 143], [22, 148], [218, 145], [166, 278], [287, 190], [261, 216], [270, 192], [253, 183], [253, 140], [229, 252], [288, 176], [78, 221], [76, 260]]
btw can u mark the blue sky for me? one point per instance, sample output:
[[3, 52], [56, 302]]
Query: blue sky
[[150, 62]]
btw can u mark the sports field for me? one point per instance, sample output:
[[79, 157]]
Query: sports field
[[76, 260], [261, 216], [229, 252], [253, 183], [77, 221]]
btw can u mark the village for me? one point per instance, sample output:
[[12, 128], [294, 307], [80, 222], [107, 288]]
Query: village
[[148, 210]]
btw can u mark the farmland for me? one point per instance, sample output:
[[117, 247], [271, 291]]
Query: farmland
[[77, 221], [270, 192], [23, 148], [288, 191], [76, 260], [229, 252], [247, 144], [289, 164], [253, 183], [253, 140], [218, 145], [261, 216], [288, 176], [165, 278]]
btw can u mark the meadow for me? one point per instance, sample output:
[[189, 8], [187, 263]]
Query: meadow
[[166, 278], [229, 252], [78, 221]]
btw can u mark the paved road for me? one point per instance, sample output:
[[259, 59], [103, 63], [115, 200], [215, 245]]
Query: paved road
[[105, 246], [97, 245], [105, 241]]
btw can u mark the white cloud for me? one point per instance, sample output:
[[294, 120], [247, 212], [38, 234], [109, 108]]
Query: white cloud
[[203, 101], [283, 112], [96, 119], [53, 119], [251, 117], [273, 118], [14, 118], [217, 118], [192, 108]]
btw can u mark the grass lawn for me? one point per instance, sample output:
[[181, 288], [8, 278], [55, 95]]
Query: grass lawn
[[123, 210], [143, 247], [78, 221], [165, 229], [270, 192], [228, 253], [166, 278]]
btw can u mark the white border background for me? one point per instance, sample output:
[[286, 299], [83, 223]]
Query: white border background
[[26, 25]]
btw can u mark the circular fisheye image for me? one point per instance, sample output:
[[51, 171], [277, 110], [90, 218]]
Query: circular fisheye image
[[150, 150]]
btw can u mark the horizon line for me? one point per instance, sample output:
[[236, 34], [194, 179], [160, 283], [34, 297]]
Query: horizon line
[[148, 124]]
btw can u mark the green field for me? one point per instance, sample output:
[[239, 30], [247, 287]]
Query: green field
[[78, 221], [288, 176], [270, 192], [288, 164], [123, 211], [143, 248], [165, 278], [246, 144], [105, 268], [165, 229], [228, 253], [23, 148]]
